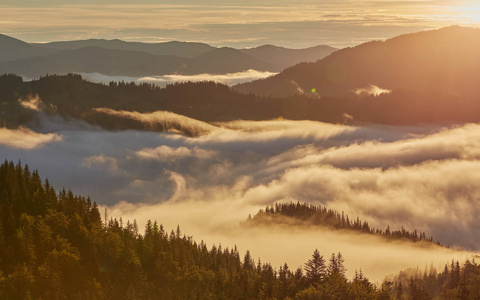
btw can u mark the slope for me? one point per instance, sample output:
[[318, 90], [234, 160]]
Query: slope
[[445, 60], [56, 246], [11, 49], [180, 49], [283, 58], [225, 60], [95, 59]]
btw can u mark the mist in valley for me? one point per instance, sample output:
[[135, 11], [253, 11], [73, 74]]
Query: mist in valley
[[421, 178]]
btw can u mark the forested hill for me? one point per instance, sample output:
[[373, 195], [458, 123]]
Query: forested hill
[[72, 96], [308, 215], [444, 60], [55, 246]]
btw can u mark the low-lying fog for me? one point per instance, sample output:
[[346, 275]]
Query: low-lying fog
[[419, 177], [162, 80]]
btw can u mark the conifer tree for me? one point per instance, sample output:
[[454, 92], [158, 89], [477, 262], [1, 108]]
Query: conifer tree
[[315, 268]]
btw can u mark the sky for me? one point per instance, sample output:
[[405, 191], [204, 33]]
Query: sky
[[246, 23]]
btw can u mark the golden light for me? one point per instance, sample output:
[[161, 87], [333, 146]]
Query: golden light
[[470, 12]]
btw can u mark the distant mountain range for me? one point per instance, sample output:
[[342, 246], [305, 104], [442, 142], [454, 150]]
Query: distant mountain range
[[445, 61], [13, 49], [427, 77], [116, 57]]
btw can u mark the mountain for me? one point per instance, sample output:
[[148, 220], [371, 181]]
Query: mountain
[[279, 57], [133, 63], [212, 102], [283, 58], [225, 60], [116, 57], [94, 59], [12, 49], [445, 60], [180, 49]]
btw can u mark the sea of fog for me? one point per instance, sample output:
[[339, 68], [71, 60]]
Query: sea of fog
[[417, 177], [229, 79]]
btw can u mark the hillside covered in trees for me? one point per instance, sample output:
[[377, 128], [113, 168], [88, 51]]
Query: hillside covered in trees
[[443, 60], [306, 215], [72, 97], [456, 281], [55, 246]]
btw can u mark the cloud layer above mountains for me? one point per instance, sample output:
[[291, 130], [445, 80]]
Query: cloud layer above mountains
[[423, 178]]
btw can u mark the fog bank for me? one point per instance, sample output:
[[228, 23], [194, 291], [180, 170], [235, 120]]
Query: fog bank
[[422, 178]]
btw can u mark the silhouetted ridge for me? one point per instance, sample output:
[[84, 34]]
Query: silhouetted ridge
[[444, 60], [176, 48], [71, 96], [225, 60], [12, 49], [121, 58]]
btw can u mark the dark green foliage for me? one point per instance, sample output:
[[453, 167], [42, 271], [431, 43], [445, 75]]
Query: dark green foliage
[[315, 268], [55, 246], [71, 96], [302, 214], [455, 282]]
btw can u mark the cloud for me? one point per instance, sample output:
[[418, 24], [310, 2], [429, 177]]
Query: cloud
[[228, 79], [439, 199], [307, 23], [162, 120], [422, 181], [273, 130], [416, 149], [166, 153], [26, 139], [101, 160], [32, 103], [371, 90], [422, 178], [212, 222]]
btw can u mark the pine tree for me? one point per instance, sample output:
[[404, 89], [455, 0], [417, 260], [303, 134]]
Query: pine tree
[[315, 268]]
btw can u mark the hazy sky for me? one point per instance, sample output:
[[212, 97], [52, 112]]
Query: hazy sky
[[244, 23]]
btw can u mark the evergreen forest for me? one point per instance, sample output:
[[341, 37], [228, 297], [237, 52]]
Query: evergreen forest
[[302, 214], [72, 97], [55, 245]]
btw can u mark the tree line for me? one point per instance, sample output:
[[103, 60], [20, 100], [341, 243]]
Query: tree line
[[456, 281], [73, 97], [55, 245], [304, 214]]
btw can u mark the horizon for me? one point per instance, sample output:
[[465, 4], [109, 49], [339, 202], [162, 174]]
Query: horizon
[[250, 24], [252, 47]]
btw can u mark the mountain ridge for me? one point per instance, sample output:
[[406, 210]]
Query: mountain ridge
[[12, 48], [446, 58], [117, 57], [178, 48]]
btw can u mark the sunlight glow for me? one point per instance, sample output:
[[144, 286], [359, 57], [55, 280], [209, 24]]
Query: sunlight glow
[[307, 23]]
